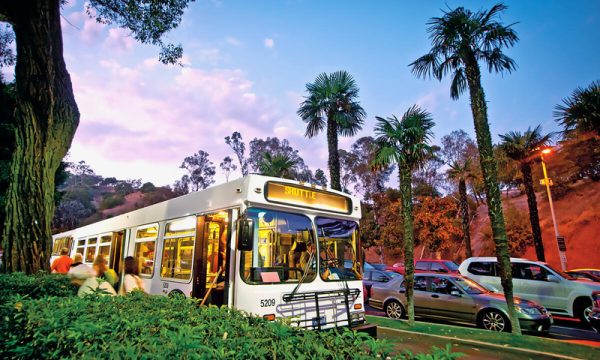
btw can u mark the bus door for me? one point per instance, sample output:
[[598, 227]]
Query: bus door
[[116, 251], [211, 256]]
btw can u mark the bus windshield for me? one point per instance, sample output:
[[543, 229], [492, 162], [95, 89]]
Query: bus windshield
[[338, 244], [283, 248]]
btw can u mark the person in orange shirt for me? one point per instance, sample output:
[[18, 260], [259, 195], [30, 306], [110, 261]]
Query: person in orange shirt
[[63, 263]]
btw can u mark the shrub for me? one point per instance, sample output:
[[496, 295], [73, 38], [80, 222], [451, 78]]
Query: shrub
[[35, 287], [141, 326]]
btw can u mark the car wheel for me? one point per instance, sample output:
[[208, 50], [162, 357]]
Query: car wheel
[[494, 320], [583, 310], [394, 310]]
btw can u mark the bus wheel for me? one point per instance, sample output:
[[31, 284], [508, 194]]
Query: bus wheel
[[176, 293], [394, 310]]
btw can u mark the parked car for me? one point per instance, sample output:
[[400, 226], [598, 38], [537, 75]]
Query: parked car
[[428, 265], [558, 292], [590, 274], [455, 297], [371, 277], [595, 314]]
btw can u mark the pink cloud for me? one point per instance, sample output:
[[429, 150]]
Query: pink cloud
[[153, 116]]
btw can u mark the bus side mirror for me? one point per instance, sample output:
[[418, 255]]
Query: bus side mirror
[[246, 234]]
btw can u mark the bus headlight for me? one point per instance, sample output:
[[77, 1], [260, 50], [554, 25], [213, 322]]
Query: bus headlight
[[357, 317]]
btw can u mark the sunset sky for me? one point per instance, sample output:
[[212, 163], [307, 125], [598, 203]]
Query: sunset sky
[[246, 65]]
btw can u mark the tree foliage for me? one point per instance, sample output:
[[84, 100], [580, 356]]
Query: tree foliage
[[238, 146], [228, 167], [46, 114], [437, 224], [332, 104], [200, 170], [580, 112], [462, 39], [279, 165], [405, 142]]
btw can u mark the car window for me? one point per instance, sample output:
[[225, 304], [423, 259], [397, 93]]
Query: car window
[[470, 286], [379, 276], [421, 283], [485, 268], [438, 267], [451, 265], [422, 265], [441, 285], [528, 271]]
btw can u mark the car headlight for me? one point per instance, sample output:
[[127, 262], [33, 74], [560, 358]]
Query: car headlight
[[528, 310]]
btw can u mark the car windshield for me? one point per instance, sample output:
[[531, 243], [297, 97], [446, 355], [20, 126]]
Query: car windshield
[[451, 265], [563, 274], [469, 286]]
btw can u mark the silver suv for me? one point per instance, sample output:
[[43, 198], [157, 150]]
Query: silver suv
[[454, 297], [560, 293]]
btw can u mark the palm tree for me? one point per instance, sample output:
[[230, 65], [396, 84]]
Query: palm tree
[[463, 171], [332, 102], [404, 142], [581, 111], [460, 39], [280, 165], [521, 147]]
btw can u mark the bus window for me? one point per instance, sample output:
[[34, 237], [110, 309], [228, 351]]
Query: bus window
[[178, 249], [60, 243], [338, 245], [104, 249], [90, 252], [281, 250], [80, 247], [145, 241]]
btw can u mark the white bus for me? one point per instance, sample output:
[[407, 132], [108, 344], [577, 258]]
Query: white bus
[[275, 248]]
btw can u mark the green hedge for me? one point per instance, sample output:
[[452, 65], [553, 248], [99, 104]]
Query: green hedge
[[155, 327], [35, 287]]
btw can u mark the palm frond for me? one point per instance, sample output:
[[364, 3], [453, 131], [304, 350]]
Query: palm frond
[[459, 83]]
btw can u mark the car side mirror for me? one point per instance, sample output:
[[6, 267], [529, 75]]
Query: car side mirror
[[455, 293], [552, 278], [245, 234]]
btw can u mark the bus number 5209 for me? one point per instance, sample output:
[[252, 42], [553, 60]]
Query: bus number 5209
[[267, 302]]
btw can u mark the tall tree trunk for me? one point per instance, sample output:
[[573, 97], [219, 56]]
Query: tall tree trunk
[[533, 211], [334, 158], [409, 245], [464, 212], [489, 168], [46, 119]]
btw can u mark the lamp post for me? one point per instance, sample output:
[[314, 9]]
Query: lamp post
[[560, 241]]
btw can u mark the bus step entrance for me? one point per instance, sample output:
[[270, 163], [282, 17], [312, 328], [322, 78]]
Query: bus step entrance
[[318, 297]]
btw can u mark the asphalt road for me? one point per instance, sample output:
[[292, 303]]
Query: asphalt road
[[563, 329]]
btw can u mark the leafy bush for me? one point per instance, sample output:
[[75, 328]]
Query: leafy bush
[[141, 326], [35, 287]]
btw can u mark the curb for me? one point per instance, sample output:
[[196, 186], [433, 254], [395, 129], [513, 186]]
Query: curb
[[481, 343]]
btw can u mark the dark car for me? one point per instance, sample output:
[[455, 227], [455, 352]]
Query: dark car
[[595, 314], [371, 277], [457, 298], [585, 274]]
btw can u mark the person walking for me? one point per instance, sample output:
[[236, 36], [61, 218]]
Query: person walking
[[131, 280], [62, 264], [79, 271], [104, 272]]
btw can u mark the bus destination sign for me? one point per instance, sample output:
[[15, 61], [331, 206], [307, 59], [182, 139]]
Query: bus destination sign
[[307, 197]]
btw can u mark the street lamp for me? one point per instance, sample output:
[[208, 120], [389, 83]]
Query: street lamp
[[560, 241]]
